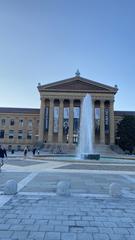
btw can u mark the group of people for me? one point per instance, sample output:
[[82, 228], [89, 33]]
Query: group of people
[[3, 153], [33, 151]]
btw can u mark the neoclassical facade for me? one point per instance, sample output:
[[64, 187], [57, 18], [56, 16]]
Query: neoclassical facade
[[57, 122], [60, 110]]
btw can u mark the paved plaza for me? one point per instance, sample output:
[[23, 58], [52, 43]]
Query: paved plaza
[[37, 212]]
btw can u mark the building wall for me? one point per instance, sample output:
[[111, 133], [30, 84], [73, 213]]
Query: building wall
[[29, 126], [20, 129], [28, 122]]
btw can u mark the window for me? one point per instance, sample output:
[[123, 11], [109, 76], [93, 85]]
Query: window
[[29, 134], [11, 134], [12, 122], [20, 134], [30, 123], [21, 122], [1, 133], [3, 121]]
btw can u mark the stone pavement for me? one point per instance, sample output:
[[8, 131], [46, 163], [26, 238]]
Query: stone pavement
[[80, 182], [36, 212], [60, 218]]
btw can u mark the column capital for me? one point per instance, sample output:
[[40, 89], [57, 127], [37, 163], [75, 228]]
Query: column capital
[[71, 101], [102, 101], [61, 100], [51, 100], [61, 103]]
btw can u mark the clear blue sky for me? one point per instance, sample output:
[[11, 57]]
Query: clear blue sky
[[47, 40]]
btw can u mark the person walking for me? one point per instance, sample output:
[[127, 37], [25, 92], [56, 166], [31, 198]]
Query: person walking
[[1, 157], [5, 152], [25, 152], [34, 151]]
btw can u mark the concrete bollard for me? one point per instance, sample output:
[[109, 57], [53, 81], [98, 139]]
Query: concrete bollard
[[10, 187], [115, 190], [63, 188]]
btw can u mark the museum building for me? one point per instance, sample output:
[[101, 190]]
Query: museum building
[[57, 122]]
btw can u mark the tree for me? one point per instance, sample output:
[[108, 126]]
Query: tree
[[126, 133]]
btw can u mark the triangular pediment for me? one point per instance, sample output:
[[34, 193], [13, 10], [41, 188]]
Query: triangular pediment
[[77, 84]]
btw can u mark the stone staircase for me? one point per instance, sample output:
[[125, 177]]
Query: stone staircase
[[55, 148], [104, 150], [59, 148]]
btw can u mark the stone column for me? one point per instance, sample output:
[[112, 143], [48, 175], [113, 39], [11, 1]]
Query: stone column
[[50, 130], [60, 129], [102, 123], [41, 121], [111, 121], [71, 117]]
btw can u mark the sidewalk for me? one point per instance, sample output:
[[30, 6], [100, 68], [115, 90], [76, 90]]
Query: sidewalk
[[72, 218], [37, 213]]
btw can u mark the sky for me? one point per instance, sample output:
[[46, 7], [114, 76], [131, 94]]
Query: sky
[[48, 40]]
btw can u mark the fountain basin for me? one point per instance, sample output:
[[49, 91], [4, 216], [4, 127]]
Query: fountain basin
[[90, 156]]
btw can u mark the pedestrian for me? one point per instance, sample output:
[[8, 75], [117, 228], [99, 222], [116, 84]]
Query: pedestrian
[[34, 151], [25, 151], [38, 152], [5, 152], [1, 157]]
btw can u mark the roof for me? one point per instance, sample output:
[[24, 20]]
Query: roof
[[77, 84], [19, 110], [124, 113], [37, 111]]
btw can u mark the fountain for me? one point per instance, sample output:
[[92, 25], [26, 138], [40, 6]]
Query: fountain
[[85, 148]]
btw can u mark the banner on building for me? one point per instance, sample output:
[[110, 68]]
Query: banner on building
[[97, 113], [97, 120], [76, 122], [66, 126], [46, 122], [66, 120], [106, 120], [76, 112], [66, 112], [56, 120]]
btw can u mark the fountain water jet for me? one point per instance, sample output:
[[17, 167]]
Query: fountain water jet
[[85, 149]]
